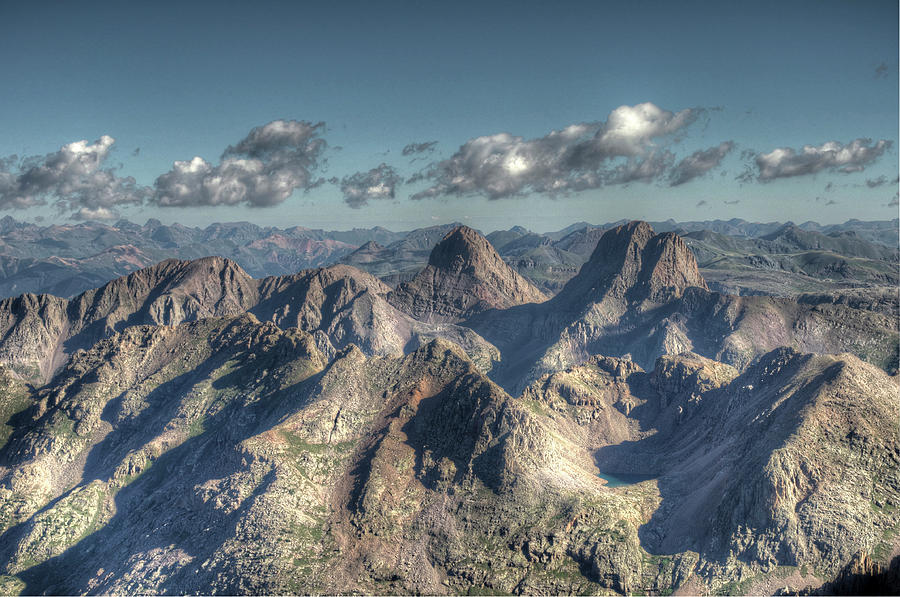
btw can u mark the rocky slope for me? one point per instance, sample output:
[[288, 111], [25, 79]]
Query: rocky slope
[[37, 333], [291, 474], [339, 305], [464, 276], [641, 294], [193, 430], [230, 456]]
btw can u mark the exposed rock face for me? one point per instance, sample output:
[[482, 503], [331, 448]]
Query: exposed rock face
[[167, 293], [228, 455], [394, 475], [632, 263], [806, 458], [31, 327], [642, 295], [793, 462], [464, 276], [300, 434], [339, 305], [39, 332]]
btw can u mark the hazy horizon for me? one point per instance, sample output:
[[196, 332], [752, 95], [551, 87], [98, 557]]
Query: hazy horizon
[[284, 226]]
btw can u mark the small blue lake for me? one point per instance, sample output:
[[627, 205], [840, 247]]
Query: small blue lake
[[620, 479]]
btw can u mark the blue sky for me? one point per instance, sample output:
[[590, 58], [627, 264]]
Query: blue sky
[[750, 84]]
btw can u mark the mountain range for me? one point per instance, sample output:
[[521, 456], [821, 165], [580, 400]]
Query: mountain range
[[735, 256], [456, 426]]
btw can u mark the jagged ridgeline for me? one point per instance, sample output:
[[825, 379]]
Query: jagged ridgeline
[[190, 429]]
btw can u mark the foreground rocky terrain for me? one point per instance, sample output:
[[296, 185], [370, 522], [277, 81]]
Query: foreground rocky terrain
[[190, 429]]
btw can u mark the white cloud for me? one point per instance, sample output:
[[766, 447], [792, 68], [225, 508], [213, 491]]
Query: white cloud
[[785, 162], [73, 178], [262, 170], [699, 163], [377, 183], [577, 157], [629, 129]]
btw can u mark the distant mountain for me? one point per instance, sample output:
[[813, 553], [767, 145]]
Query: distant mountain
[[402, 259], [68, 259], [500, 238], [883, 231], [791, 260]]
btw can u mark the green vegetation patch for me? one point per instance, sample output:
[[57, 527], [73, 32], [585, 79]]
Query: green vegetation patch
[[54, 530], [14, 398]]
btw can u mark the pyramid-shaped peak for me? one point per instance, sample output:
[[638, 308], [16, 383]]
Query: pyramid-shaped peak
[[465, 275], [464, 247], [370, 246], [619, 240]]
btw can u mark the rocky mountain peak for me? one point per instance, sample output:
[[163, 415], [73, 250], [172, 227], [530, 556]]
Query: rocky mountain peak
[[632, 262], [464, 276], [463, 248]]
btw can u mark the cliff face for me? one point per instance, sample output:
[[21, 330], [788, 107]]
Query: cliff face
[[464, 276], [631, 263], [39, 332]]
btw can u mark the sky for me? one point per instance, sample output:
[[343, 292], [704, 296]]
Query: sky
[[406, 114]]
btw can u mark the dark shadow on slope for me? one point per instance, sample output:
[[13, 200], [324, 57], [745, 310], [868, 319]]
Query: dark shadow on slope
[[131, 434], [855, 579], [162, 508], [711, 464], [453, 424], [157, 511]]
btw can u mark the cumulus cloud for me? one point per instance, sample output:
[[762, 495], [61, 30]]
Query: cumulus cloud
[[377, 183], [785, 162], [416, 148], [72, 178], [575, 158], [699, 163], [261, 170], [630, 128]]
